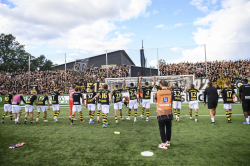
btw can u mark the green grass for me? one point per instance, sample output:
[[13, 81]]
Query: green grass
[[89, 144]]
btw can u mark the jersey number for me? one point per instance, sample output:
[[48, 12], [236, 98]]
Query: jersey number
[[6, 99], [104, 96], [229, 94], [133, 93], [118, 95], [41, 98], [29, 98], [176, 93], [90, 96], [193, 94]]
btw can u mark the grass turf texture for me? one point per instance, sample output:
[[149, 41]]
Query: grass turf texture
[[89, 144]]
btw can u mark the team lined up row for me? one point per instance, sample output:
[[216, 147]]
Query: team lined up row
[[103, 98]]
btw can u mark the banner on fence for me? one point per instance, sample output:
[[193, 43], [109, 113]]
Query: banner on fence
[[80, 66], [97, 86], [1, 100]]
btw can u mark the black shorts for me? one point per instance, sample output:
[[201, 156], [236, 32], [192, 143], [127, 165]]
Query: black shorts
[[212, 104], [246, 106]]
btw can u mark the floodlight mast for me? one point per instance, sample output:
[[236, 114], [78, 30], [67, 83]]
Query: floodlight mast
[[205, 58], [29, 76], [107, 63]]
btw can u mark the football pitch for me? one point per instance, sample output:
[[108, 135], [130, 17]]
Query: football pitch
[[192, 143]]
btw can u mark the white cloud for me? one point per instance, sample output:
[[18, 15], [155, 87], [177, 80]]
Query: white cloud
[[170, 27], [146, 14], [155, 11], [160, 26], [179, 25], [153, 63], [85, 25], [62, 60], [214, 1], [199, 5], [83, 52], [176, 49], [72, 54], [190, 55], [175, 26], [124, 27], [30, 47], [59, 51], [228, 25], [177, 11]]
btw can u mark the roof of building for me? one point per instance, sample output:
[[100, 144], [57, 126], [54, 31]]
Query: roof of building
[[124, 53]]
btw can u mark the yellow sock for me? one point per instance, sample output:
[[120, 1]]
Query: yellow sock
[[228, 115], [135, 114], [143, 110], [175, 112], [129, 113], [196, 114], [3, 116], [178, 113], [147, 113]]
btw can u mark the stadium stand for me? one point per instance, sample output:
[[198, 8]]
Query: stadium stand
[[235, 70], [48, 80]]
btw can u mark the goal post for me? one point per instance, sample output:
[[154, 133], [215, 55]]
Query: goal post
[[181, 80]]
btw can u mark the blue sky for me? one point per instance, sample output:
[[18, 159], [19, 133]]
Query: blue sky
[[85, 28]]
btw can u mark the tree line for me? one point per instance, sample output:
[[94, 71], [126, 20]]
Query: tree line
[[14, 57]]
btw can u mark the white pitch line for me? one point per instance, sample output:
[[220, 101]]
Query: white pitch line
[[149, 116], [127, 107]]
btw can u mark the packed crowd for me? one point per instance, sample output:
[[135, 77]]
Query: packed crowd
[[94, 74], [235, 70], [50, 80]]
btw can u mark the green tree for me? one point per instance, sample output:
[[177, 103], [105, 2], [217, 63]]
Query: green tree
[[42, 63], [14, 57], [12, 54], [162, 61], [47, 65]]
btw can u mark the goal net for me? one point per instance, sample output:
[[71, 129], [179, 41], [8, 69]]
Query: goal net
[[181, 80]]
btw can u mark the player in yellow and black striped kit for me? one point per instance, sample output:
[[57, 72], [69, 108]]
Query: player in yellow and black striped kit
[[55, 103], [105, 99], [91, 104], [132, 99], [29, 107], [117, 102], [146, 95], [227, 95], [193, 102], [41, 106], [99, 105], [7, 106], [177, 101]]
